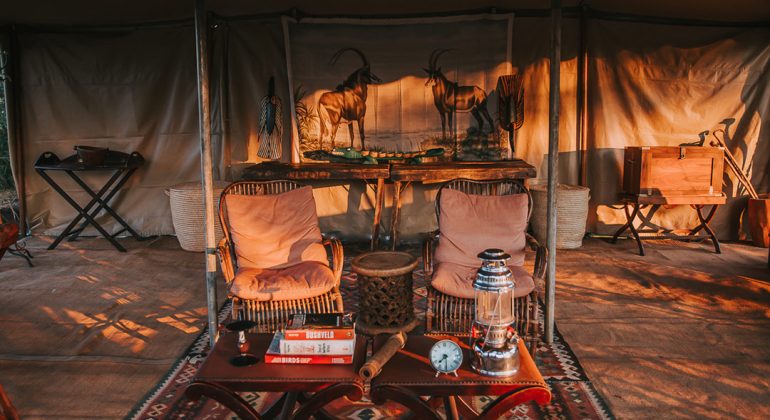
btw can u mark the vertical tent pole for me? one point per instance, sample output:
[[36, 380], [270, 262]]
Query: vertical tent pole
[[582, 99], [204, 126], [553, 158], [13, 92]]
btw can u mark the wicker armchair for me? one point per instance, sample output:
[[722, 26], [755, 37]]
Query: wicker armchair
[[448, 314], [271, 315]]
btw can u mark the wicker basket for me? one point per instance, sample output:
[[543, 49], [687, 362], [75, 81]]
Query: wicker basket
[[187, 214], [572, 210]]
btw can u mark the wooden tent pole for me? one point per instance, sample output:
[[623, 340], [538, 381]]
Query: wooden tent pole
[[204, 127], [582, 99], [553, 160]]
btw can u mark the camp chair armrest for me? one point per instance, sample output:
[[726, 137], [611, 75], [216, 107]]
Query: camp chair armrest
[[541, 253], [226, 259], [338, 256], [428, 246]]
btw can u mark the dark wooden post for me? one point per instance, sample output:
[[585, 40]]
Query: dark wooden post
[[204, 127], [553, 160]]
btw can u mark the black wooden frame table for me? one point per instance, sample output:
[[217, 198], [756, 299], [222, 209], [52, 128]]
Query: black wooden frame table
[[123, 166], [218, 379], [408, 376], [634, 204]]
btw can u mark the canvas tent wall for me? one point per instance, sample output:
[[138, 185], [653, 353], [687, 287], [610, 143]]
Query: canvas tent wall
[[133, 88]]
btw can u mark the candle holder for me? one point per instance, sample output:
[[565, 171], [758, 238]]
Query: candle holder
[[244, 358]]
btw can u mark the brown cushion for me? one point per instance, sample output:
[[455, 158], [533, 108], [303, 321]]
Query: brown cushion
[[300, 281], [457, 280], [275, 231], [469, 224]]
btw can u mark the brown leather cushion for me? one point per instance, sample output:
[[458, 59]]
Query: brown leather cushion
[[469, 224], [457, 280], [300, 281], [275, 231]]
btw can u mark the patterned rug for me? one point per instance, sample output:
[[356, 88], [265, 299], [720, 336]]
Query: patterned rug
[[574, 397]]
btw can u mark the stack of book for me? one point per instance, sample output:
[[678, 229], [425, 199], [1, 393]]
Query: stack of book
[[314, 339]]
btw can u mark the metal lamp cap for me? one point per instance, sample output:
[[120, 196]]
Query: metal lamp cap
[[493, 275]]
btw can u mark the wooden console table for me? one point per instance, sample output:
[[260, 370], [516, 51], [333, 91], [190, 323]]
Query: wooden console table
[[221, 381], [633, 204], [403, 175], [373, 175], [409, 375]]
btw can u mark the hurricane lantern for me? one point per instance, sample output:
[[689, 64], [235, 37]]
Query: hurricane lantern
[[494, 341]]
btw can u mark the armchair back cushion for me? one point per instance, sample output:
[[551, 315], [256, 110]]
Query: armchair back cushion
[[275, 231], [471, 223]]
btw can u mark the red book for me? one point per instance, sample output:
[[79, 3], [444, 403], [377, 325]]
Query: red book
[[320, 334], [334, 326], [322, 359]]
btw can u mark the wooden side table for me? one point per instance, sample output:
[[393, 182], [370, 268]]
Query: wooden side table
[[633, 204], [385, 292], [221, 381], [409, 375]]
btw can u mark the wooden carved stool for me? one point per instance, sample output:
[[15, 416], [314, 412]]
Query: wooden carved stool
[[385, 292]]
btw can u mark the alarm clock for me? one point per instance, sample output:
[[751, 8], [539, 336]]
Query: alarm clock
[[446, 357]]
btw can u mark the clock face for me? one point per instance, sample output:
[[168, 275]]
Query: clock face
[[446, 356]]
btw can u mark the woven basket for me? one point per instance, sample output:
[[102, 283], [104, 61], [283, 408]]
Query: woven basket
[[187, 214], [572, 210]]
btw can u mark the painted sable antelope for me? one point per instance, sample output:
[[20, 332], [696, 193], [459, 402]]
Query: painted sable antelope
[[347, 102], [449, 97]]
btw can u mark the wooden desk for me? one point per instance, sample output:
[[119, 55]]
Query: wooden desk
[[373, 175], [409, 375], [403, 175], [634, 203], [220, 380]]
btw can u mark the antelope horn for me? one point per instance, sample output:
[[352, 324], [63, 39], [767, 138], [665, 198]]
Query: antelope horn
[[438, 54], [430, 59], [338, 54]]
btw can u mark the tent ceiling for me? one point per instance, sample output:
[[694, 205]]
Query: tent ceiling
[[99, 12]]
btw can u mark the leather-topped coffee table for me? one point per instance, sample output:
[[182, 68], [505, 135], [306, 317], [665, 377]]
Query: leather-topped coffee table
[[409, 375], [220, 380]]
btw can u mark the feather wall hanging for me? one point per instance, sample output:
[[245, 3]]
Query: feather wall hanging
[[270, 124], [511, 105]]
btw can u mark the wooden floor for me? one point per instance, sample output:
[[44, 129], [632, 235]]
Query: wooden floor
[[680, 333]]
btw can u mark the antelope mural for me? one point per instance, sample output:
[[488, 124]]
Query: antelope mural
[[347, 102], [449, 97]]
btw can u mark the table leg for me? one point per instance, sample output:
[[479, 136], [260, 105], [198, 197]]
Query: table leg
[[395, 216], [704, 224], [631, 218], [75, 233], [288, 405], [379, 193], [83, 214], [103, 202], [506, 402], [353, 392], [450, 408], [622, 228], [224, 396], [420, 409]]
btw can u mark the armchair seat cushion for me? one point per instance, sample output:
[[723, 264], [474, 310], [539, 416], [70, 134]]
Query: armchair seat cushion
[[300, 281], [457, 280]]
